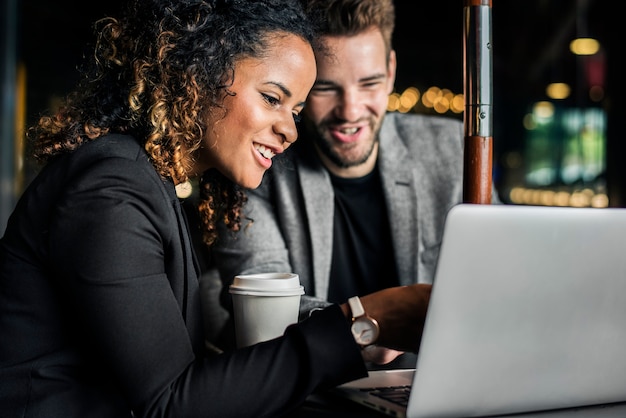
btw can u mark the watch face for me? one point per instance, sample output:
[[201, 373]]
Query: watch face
[[365, 331]]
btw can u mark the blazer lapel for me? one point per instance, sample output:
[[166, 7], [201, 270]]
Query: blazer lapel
[[319, 206], [399, 178]]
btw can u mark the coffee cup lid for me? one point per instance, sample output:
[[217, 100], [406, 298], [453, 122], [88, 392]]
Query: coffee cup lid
[[267, 284]]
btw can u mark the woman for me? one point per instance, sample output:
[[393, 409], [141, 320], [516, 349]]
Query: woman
[[99, 306]]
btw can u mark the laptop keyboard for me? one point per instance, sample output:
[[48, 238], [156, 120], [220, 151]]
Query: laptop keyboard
[[396, 394]]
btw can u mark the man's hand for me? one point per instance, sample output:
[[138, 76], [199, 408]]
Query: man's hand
[[400, 312]]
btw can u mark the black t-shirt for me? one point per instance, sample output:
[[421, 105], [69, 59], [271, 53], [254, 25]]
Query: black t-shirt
[[363, 257]]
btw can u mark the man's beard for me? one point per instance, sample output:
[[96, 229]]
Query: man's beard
[[325, 145]]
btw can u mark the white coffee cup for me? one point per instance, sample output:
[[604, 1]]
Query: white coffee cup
[[264, 304]]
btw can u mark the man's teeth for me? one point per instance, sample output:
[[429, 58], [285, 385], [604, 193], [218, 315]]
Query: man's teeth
[[349, 131], [266, 152]]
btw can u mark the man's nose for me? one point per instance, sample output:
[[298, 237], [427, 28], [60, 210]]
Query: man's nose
[[349, 106]]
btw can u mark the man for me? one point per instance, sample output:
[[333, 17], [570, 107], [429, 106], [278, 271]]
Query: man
[[358, 202]]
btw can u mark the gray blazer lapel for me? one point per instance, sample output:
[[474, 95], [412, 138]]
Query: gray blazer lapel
[[319, 205], [398, 177]]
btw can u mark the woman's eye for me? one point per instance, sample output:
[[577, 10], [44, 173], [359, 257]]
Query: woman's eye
[[297, 117], [271, 100]]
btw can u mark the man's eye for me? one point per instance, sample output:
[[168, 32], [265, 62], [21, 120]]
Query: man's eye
[[320, 89]]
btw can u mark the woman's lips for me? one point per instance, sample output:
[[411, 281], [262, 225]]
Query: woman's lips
[[264, 151], [263, 155]]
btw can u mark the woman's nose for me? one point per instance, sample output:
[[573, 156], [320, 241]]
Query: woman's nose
[[286, 128]]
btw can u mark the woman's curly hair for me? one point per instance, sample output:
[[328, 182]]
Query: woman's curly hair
[[156, 72]]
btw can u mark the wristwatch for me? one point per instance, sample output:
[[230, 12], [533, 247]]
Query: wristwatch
[[364, 328]]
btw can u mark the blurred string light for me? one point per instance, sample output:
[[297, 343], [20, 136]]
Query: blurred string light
[[580, 198], [584, 46], [543, 111], [558, 91], [434, 98]]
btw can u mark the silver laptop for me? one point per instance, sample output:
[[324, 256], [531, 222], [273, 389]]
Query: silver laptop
[[527, 316]]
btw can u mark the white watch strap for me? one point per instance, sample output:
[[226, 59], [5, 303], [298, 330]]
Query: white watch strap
[[356, 306]]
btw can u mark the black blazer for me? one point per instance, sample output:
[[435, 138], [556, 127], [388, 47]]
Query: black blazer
[[100, 311]]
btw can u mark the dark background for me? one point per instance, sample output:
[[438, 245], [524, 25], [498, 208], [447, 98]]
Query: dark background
[[530, 49]]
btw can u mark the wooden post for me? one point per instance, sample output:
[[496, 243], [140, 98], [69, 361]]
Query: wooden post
[[477, 118]]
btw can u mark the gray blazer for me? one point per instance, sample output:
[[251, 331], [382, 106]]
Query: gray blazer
[[421, 166]]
